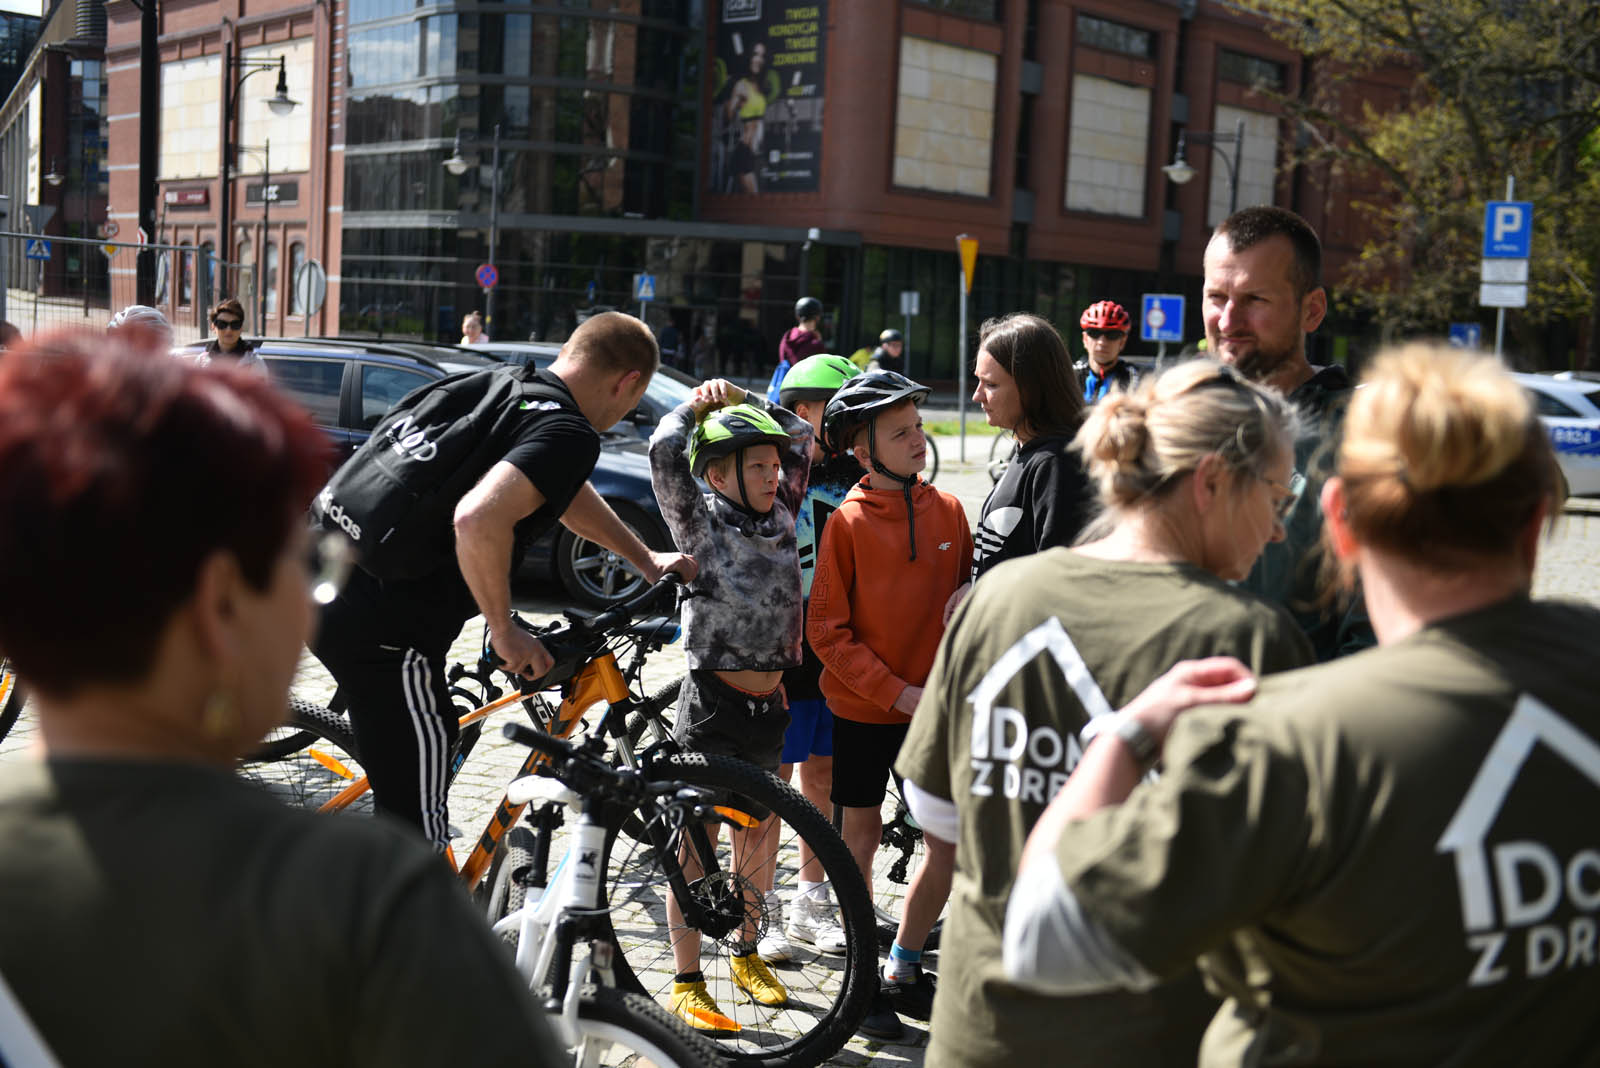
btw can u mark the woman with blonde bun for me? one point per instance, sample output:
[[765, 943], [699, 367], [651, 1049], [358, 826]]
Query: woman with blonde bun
[[1193, 472], [1390, 859]]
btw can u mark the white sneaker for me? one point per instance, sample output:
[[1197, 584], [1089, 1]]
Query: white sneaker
[[774, 947], [813, 921]]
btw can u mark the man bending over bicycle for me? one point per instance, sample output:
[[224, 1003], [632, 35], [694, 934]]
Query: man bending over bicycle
[[386, 641], [741, 623]]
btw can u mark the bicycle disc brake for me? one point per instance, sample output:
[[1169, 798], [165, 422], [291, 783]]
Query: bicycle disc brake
[[721, 896]]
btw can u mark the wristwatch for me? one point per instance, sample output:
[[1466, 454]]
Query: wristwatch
[[1146, 750]]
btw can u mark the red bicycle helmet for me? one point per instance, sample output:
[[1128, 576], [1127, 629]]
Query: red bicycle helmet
[[1107, 315]]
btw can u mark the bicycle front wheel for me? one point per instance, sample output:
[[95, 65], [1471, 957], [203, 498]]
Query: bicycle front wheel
[[309, 761], [11, 697], [618, 1028], [827, 996]]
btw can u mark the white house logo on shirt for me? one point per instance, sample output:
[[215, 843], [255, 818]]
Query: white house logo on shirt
[[1035, 760], [1526, 879]]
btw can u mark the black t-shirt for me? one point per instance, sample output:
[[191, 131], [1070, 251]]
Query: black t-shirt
[[556, 450]]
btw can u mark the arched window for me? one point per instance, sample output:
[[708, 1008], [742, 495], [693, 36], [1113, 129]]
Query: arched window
[[246, 285], [185, 277], [208, 275], [272, 280], [297, 260]]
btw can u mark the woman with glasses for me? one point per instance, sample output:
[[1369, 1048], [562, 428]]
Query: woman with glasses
[[1193, 472], [1105, 331], [1389, 859], [229, 345], [155, 908]]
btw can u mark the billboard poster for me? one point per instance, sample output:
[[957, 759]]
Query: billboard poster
[[766, 97]]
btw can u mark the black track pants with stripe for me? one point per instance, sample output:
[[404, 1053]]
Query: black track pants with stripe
[[399, 706]]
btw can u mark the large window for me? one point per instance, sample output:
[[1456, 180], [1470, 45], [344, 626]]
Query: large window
[[289, 135], [1115, 37], [944, 118], [297, 260], [1249, 70], [1109, 148], [185, 275], [191, 117], [1258, 164]]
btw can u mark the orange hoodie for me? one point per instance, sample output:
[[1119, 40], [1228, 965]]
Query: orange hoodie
[[875, 615]]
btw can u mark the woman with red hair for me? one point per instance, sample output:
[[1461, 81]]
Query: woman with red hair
[[155, 908]]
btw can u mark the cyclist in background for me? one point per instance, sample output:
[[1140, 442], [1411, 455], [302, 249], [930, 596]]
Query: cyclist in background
[[1105, 332], [803, 339], [890, 353]]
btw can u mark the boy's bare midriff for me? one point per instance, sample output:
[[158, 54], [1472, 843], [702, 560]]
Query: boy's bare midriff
[[752, 681]]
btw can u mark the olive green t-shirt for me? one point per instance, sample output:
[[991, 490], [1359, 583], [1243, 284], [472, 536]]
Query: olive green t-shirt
[[168, 914], [1042, 644], [1390, 859]]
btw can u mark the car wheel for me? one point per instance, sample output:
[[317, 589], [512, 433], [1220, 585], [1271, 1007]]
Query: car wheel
[[596, 576]]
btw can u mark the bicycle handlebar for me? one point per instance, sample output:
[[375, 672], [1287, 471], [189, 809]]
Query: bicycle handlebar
[[575, 639], [593, 777]]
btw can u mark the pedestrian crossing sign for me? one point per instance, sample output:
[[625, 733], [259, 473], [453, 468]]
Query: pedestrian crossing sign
[[37, 249]]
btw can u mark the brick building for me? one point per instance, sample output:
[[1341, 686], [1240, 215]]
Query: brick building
[[740, 153]]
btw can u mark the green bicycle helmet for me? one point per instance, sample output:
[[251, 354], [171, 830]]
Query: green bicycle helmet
[[730, 430], [815, 378]]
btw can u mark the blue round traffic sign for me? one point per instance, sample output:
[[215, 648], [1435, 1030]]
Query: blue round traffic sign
[[487, 276]]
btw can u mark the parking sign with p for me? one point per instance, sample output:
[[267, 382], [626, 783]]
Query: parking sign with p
[[1507, 229]]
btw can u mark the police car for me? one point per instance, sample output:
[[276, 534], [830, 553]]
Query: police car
[[1569, 407]]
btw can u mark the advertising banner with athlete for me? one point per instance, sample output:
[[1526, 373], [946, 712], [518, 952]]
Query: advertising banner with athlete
[[766, 97]]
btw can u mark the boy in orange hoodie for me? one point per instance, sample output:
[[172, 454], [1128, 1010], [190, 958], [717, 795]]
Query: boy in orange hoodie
[[891, 556]]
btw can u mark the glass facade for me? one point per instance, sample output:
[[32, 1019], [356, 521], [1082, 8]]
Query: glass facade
[[85, 182], [596, 111]]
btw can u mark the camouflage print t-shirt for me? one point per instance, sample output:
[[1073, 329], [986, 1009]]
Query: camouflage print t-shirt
[[743, 610]]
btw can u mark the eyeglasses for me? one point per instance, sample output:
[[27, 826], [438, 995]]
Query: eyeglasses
[[1291, 494], [227, 324], [1098, 334]]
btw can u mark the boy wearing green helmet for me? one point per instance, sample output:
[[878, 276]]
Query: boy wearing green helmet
[[808, 742], [742, 621]]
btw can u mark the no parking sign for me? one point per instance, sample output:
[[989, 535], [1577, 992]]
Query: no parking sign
[[1161, 317]]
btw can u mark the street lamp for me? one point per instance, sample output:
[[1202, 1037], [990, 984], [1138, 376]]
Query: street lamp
[[54, 175], [268, 195], [1180, 172], [231, 88], [457, 165]]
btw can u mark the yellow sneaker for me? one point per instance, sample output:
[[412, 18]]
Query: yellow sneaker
[[751, 974], [698, 1009]]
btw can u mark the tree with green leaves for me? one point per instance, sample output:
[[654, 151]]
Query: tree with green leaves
[[1423, 108]]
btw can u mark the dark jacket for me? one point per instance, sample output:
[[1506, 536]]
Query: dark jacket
[[1122, 375]]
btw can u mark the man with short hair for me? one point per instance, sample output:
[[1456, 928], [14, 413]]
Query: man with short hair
[[1263, 294], [386, 641]]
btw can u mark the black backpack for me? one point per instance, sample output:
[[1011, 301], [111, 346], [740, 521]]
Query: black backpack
[[395, 499]]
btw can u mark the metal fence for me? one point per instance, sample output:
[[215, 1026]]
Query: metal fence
[[53, 283]]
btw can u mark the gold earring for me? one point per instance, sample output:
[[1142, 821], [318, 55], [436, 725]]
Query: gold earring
[[220, 719]]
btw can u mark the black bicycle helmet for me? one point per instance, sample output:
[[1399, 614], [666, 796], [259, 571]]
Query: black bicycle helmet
[[889, 335], [858, 403], [807, 308]]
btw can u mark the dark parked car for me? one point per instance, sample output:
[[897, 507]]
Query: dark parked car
[[348, 388]]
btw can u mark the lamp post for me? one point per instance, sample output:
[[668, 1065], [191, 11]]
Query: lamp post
[[457, 165], [231, 88], [54, 177], [268, 195], [1180, 172]]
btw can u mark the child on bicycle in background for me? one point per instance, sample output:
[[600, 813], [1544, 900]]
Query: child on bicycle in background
[[810, 918], [889, 560], [742, 621]]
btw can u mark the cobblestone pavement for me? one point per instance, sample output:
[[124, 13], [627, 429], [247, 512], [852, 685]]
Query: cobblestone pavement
[[1569, 567]]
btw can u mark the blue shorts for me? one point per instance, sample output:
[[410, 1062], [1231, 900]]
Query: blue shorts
[[810, 731]]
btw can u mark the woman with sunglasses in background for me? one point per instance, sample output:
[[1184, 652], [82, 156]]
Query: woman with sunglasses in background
[[1105, 332], [229, 345], [157, 909], [1193, 470]]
